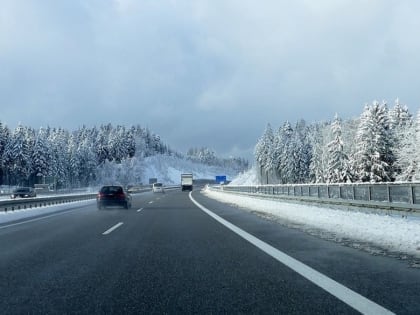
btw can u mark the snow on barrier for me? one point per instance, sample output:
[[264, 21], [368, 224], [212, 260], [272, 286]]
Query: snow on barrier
[[404, 197], [28, 203]]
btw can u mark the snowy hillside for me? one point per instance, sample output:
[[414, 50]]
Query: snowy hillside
[[247, 178], [168, 169]]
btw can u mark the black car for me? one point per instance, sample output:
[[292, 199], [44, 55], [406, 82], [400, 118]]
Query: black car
[[23, 192], [113, 195]]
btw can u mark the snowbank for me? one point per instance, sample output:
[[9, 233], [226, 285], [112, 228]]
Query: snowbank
[[391, 233]]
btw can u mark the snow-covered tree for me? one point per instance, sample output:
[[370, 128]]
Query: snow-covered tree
[[304, 152], [202, 155], [291, 153], [373, 160], [130, 143], [4, 139], [282, 152], [399, 116], [71, 158], [338, 167], [319, 137], [129, 171], [73, 162], [86, 161], [17, 155], [408, 155], [41, 155], [102, 149], [117, 144], [59, 159], [263, 151], [401, 124]]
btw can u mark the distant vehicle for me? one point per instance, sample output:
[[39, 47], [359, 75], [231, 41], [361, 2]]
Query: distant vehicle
[[113, 195], [43, 188], [187, 181], [23, 192], [134, 189], [158, 187]]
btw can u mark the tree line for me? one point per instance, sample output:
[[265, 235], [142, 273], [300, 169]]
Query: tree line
[[207, 156], [87, 156], [69, 158], [379, 146]]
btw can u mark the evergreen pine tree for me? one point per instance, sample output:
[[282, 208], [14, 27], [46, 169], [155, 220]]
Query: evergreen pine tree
[[374, 159], [338, 170]]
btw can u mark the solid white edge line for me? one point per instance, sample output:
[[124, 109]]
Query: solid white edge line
[[116, 226], [348, 296]]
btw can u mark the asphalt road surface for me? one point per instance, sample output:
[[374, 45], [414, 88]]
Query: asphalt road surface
[[168, 255]]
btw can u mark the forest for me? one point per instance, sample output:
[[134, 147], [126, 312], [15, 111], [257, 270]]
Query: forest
[[86, 156], [379, 146]]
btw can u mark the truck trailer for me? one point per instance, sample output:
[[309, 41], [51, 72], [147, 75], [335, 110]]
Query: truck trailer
[[187, 181]]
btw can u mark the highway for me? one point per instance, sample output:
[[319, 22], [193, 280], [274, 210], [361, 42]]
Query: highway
[[167, 255]]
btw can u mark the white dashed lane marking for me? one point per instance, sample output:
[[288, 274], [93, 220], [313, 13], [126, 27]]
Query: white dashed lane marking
[[116, 226]]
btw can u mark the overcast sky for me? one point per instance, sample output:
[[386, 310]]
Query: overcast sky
[[204, 73]]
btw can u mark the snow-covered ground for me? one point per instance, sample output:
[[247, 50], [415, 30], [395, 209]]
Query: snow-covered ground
[[378, 234], [11, 216], [247, 178]]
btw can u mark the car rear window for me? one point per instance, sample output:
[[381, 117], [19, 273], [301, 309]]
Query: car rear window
[[111, 189], [22, 190]]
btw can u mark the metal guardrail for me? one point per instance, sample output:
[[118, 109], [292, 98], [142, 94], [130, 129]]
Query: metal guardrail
[[29, 203], [396, 196]]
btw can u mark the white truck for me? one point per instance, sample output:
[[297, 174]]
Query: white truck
[[187, 181]]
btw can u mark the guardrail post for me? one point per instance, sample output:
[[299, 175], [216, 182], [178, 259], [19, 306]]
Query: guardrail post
[[369, 193], [411, 194]]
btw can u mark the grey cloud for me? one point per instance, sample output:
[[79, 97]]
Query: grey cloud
[[224, 67]]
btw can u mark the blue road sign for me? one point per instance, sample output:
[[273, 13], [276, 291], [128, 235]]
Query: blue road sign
[[221, 179]]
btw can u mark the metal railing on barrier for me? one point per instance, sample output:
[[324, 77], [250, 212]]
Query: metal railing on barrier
[[403, 196], [28, 203]]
